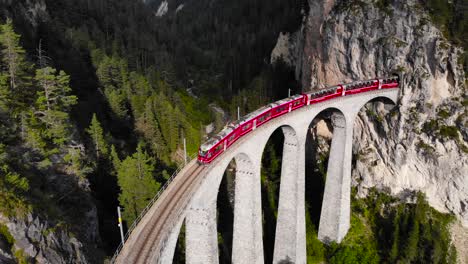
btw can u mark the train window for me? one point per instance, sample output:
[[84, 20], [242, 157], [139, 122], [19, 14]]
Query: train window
[[245, 127], [202, 153], [231, 138], [297, 103], [209, 155], [218, 148]]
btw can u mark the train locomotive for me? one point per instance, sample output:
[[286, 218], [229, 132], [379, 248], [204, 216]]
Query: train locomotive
[[235, 130]]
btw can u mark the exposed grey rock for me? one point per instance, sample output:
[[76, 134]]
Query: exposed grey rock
[[400, 151], [42, 242]]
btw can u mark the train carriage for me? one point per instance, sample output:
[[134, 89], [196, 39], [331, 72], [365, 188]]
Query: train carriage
[[235, 130], [325, 94]]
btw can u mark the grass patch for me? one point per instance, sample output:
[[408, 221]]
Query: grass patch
[[21, 257], [425, 148], [6, 235], [430, 127], [449, 132], [443, 113], [465, 102], [375, 116]]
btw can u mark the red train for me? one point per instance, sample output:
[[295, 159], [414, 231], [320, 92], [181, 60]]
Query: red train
[[231, 133]]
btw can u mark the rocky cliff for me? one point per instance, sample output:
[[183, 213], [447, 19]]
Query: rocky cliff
[[422, 143], [61, 224]]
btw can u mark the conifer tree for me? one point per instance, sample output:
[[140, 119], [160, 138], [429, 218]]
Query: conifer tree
[[138, 186], [115, 158], [96, 133], [147, 124], [117, 100], [13, 75], [13, 53], [53, 102]]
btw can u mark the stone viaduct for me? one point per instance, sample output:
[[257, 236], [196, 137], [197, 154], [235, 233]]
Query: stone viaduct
[[192, 196]]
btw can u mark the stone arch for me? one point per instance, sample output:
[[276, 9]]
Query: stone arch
[[386, 99], [281, 144], [317, 145], [326, 131], [201, 220], [376, 110]]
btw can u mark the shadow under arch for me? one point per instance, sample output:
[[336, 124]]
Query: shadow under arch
[[271, 176], [225, 212], [376, 110], [225, 203], [320, 133], [377, 114]]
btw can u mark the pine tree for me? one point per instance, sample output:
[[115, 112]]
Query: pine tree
[[117, 100], [12, 53], [14, 82], [135, 178], [115, 158], [147, 124], [96, 133], [53, 103]]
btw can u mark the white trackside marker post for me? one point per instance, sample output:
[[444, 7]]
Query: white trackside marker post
[[120, 225], [238, 113], [289, 92], [185, 152]]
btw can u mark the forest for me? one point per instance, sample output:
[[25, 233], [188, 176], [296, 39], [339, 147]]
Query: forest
[[98, 92]]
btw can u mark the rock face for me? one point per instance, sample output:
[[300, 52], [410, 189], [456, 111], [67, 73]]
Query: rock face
[[63, 232], [422, 143], [43, 243]]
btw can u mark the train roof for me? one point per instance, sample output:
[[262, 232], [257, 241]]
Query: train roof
[[212, 141], [322, 91]]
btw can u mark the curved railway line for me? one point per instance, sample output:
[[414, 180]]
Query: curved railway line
[[149, 238]]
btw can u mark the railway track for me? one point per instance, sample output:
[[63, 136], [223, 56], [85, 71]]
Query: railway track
[[150, 237]]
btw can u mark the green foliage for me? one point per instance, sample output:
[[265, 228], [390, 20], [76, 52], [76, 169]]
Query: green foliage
[[12, 190], [359, 246], [315, 248], [425, 147], [6, 235], [452, 19], [21, 257], [50, 120], [443, 113], [430, 127], [414, 233], [15, 90], [114, 157], [13, 54], [77, 163], [374, 115], [96, 134], [270, 182], [117, 101], [135, 178], [449, 132]]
